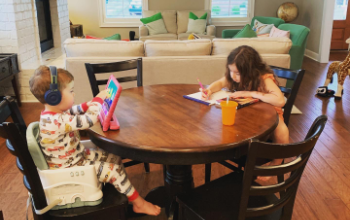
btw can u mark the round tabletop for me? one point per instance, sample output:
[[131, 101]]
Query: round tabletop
[[158, 125]]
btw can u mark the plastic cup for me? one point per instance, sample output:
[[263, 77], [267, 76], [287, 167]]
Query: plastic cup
[[228, 112]]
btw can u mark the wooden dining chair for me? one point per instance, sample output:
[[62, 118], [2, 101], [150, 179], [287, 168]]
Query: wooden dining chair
[[290, 93], [100, 68], [113, 204], [234, 196]]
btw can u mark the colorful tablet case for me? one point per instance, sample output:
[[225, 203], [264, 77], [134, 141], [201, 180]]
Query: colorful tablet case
[[107, 117]]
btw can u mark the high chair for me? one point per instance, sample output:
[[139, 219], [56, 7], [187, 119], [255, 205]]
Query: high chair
[[64, 188], [47, 193]]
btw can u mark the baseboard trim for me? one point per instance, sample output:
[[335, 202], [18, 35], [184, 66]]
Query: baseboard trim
[[312, 55]]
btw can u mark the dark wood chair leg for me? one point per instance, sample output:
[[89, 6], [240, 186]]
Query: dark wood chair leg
[[146, 167], [15, 88], [1, 216], [207, 172]]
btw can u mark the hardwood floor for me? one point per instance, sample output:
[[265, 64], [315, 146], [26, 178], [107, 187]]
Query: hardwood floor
[[324, 191]]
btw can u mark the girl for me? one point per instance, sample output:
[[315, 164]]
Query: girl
[[249, 76]]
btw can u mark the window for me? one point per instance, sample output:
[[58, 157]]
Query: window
[[231, 12], [121, 13], [340, 10]]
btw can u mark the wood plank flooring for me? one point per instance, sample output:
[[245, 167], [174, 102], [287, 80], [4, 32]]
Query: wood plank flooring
[[324, 191]]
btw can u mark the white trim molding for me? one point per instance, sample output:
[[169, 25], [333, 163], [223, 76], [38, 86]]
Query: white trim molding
[[312, 55], [326, 31], [232, 21], [118, 22]]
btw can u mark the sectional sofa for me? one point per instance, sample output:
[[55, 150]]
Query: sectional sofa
[[167, 62]]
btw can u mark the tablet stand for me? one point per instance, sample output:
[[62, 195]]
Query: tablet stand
[[108, 124]]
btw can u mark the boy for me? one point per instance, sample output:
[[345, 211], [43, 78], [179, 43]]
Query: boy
[[60, 140]]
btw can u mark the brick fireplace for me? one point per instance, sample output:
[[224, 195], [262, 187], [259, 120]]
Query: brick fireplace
[[19, 34]]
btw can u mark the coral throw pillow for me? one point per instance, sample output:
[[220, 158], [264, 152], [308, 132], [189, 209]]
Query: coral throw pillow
[[91, 37], [275, 32]]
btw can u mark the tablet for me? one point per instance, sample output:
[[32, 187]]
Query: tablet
[[107, 117]]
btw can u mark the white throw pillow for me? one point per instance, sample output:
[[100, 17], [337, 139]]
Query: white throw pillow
[[261, 28], [196, 25], [155, 24]]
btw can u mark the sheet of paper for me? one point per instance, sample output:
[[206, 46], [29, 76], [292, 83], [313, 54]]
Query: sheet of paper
[[213, 98]]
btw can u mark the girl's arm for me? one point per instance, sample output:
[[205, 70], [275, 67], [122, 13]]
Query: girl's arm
[[214, 87], [273, 96]]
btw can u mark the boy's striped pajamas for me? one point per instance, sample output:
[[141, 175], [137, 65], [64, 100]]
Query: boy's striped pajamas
[[60, 143]]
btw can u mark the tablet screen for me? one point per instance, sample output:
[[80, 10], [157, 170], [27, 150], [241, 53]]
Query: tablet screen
[[111, 91]]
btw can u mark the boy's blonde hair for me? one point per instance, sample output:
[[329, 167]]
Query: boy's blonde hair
[[40, 82]]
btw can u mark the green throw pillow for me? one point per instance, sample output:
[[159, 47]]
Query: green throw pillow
[[246, 32], [196, 25], [113, 37], [155, 24]]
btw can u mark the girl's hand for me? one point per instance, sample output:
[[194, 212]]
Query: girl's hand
[[206, 93], [245, 94]]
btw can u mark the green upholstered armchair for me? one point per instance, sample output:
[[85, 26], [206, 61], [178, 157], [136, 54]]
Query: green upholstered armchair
[[265, 20], [298, 35]]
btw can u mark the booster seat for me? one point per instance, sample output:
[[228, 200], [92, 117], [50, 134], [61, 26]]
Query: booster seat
[[64, 188]]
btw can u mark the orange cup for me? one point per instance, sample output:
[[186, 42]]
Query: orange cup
[[228, 112]]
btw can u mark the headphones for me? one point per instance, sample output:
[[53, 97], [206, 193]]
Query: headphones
[[53, 95]]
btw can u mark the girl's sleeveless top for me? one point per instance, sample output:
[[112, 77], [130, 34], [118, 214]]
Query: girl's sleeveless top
[[278, 109]]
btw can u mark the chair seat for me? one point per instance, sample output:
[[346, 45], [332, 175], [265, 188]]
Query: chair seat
[[112, 201], [219, 200]]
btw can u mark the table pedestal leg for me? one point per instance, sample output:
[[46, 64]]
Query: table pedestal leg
[[177, 180]]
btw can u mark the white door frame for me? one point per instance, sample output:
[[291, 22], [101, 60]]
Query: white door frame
[[326, 31]]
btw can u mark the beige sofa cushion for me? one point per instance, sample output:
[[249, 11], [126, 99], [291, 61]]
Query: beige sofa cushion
[[159, 37], [200, 47], [181, 69], [182, 19], [169, 18], [103, 48], [266, 45]]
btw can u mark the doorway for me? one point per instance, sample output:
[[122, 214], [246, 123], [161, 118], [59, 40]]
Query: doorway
[[341, 25], [44, 23]]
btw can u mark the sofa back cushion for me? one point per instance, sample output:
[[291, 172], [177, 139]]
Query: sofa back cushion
[[265, 45], [169, 18], [200, 47], [103, 48], [183, 17]]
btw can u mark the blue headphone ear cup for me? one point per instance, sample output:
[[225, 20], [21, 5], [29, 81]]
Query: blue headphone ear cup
[[53, 97]]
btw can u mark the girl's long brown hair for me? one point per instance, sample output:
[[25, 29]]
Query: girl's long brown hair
[[251, 69]]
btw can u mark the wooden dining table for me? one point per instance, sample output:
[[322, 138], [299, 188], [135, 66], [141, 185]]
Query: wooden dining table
[[158, 125]]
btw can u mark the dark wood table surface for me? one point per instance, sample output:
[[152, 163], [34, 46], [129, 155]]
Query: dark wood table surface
[[158, 125]]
